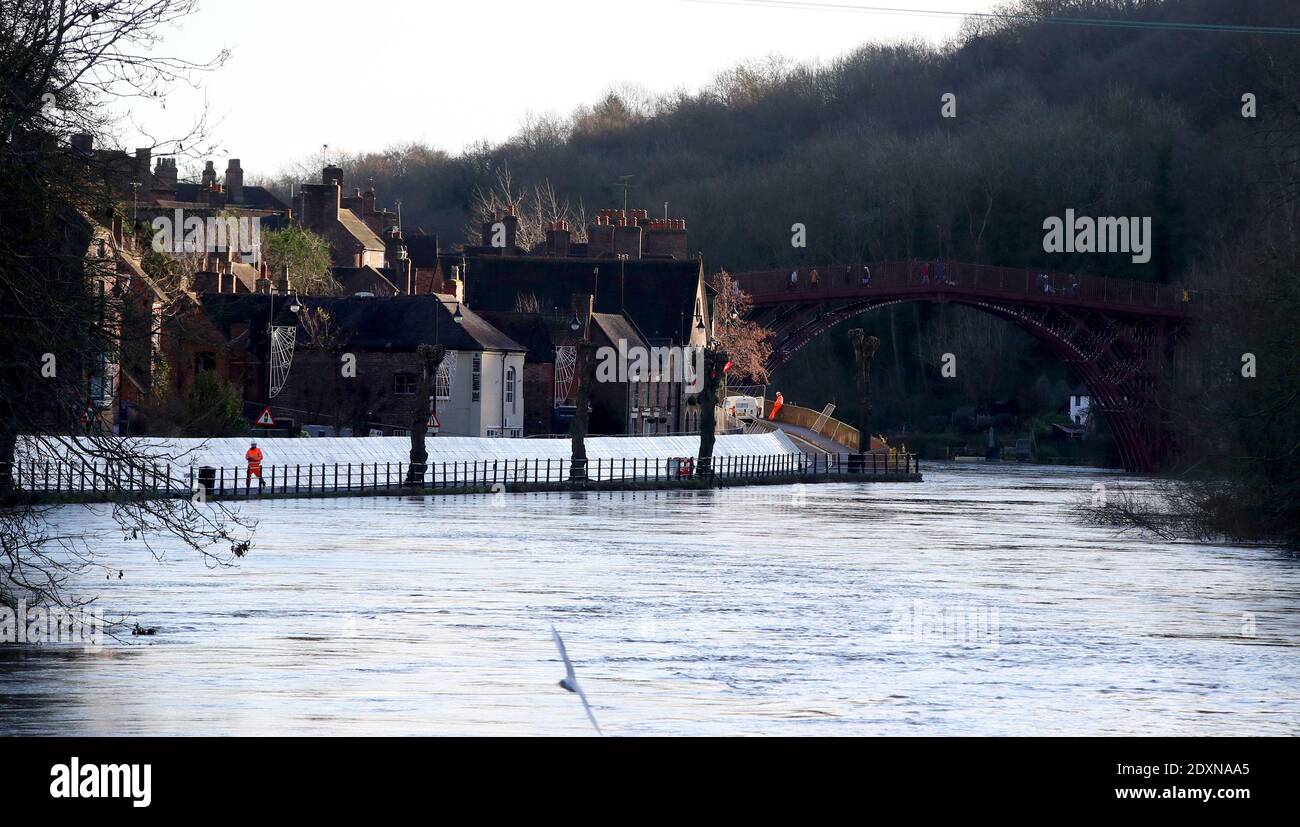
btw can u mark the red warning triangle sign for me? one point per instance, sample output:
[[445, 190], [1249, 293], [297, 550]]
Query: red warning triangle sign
[[266, 418], [434, 421]]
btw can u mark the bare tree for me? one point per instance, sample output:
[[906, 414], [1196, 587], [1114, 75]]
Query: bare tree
[[69, 294], [715, 360], [536, 210]]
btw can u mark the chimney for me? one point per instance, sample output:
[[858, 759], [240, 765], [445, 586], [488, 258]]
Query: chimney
[[143, 164], [207, 281], [454, 286], [216, 196], [394, 248], [600, 236], [332, 175], [368, 200], [512, 227], [83, 142], [164, 175], [209, 175], [666, 238], [558, 239], [283, 286], [320, 206], [234, 182], [627, 240]]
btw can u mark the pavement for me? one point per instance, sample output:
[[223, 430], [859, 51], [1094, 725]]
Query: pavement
[[811, 442]]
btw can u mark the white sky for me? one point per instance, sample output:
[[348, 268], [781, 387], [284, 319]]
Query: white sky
[[364, 76]]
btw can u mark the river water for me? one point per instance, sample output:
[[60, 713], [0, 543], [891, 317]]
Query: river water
[[970, 604]]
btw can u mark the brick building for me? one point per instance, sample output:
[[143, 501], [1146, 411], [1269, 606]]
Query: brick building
[[633, 267], [480, 386]]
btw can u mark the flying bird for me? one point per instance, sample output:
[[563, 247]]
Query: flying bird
[[570, 680]]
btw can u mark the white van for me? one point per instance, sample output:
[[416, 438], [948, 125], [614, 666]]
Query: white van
[[743, 407]]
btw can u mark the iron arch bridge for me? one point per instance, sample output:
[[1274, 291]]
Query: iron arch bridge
[[1113, 333]]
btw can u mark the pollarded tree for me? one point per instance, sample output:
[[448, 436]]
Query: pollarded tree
[[426, 391]]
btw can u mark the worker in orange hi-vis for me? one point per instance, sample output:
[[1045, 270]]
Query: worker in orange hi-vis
[[776, 406], [254, 457]]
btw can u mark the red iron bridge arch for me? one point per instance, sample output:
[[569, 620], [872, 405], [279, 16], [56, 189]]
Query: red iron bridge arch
[[1115, 334]]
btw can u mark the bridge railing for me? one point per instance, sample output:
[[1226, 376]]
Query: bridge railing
[[927, 276]]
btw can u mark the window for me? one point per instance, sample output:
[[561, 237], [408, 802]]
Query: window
[[510, 388], [204, 361], [404, 384], [476, 383]]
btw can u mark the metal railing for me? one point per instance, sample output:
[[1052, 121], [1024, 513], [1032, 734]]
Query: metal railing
[[106, 481], [851, 281]]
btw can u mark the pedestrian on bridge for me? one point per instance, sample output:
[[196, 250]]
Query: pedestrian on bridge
[[866, 275], [794, 279]]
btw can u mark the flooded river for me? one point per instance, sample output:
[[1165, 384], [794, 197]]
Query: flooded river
[[970, 604]]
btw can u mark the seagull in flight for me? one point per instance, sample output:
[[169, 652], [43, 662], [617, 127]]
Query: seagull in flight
[[570, 680]]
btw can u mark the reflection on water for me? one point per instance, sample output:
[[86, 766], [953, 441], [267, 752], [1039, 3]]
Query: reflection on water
[[968, 604]]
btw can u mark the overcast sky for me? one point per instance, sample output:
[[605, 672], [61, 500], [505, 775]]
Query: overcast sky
[[363, 76]]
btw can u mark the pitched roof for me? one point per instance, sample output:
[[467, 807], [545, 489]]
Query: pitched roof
[[400, 323], [529, 329], [658, 294], [255, 198], [616, 326], [246, 273], [359, 230], [366, 280]]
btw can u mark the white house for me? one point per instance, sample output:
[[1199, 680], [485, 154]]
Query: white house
[[1080, 405], [357, 369]]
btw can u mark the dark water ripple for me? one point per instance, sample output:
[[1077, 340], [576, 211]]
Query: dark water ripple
[[779, 610]]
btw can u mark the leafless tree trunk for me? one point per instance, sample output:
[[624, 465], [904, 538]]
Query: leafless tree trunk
[[585, 374], [864, 352], [66, 305], [426, 400], [715, 359]]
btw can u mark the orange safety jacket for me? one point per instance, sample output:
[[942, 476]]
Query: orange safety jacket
[[254, 457]]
